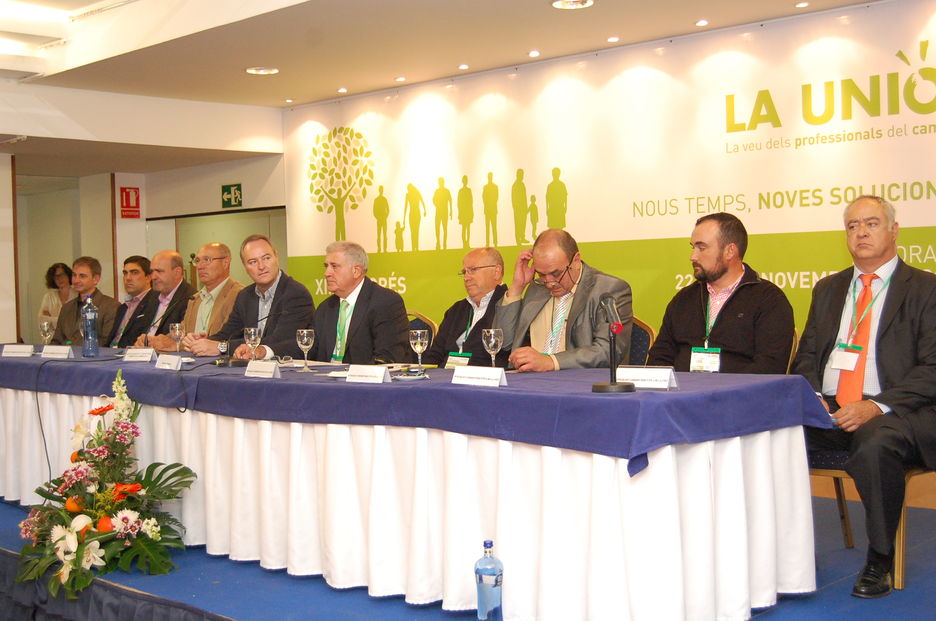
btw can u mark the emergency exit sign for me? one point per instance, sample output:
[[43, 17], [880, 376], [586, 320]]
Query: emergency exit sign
[[232, 195]]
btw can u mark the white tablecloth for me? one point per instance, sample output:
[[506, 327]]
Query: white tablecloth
[[707, 531]]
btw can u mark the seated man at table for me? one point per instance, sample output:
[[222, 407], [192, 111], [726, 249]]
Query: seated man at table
[[460, 332], [869, 348], [86, 274], [275, 303], [168, 271], [210, 308], [361, 322], [558, 323], [131, 320], [729, 320]]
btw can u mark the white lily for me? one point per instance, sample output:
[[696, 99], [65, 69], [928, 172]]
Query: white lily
[[79, 433], [93, 555], [67, 566]]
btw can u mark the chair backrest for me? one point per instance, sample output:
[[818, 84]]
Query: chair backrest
[[642, 337], [418, 321], [792, 352]]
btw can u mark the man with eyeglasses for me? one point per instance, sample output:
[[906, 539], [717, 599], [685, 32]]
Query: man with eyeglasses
[[558, 323], [275, 303], [459, 338]]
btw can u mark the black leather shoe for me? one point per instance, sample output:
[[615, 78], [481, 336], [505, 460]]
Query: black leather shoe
[[873, 581]]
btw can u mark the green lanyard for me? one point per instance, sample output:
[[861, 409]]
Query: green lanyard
[[467, 327], [854, 326], [341, 329]]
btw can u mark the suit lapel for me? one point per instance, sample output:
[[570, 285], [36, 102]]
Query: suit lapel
[[832, 317], [897, 292], [532, 305], [581, 298], [329, 311], [360, 309]]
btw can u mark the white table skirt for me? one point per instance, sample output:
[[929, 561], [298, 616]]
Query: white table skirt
[[707, 531]]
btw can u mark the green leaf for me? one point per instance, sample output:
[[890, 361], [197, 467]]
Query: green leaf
[[149, 556]]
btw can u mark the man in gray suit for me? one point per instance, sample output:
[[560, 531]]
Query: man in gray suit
[[558, 322]]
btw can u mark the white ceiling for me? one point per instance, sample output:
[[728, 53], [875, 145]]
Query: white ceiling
[[362, 45]]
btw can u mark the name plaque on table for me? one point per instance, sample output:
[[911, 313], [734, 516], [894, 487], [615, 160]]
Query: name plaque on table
[[480, 376], [140, 354], [368, 374], [652, 378], [60, 352], [17, 351], [169, 362], [262, 368]]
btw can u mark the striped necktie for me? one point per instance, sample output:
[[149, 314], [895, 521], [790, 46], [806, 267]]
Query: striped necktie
[[560, 308]]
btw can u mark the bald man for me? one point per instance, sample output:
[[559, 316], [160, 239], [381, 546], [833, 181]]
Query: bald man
[[167, 271]]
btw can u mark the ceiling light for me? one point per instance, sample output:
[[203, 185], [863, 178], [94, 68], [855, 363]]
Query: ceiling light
[[262, 70], [463, 66], [702, 22], [613, 39], [290, 100], [400, 79], [801, 5], [534, 53], [342, 90], [572, 4]]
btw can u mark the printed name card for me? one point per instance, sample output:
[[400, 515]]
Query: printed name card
[[654, 378], [480, 376], [140, 354], [60, 352], [262, 368], [17, 351], [368, 374], [169, 362]]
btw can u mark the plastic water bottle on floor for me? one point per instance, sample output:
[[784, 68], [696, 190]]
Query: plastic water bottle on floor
[[489, 575]]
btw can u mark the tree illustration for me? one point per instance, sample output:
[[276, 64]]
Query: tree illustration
[[340, 169]]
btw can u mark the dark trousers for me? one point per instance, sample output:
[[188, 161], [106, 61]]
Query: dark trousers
[[881, 450]]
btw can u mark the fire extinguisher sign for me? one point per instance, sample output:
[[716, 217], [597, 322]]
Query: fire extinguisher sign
[[129, 202]]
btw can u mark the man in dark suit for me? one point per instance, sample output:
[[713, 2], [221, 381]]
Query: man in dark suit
[[552, 307], [275, 303], [460, 332], [131, 320], [167, 274], [361, 322], [869, 349]]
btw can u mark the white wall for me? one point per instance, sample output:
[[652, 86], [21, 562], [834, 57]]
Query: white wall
[[131, 232], [7, 273], [96, 228]]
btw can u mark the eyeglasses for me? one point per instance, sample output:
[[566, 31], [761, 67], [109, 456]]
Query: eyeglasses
[[471, 271], [557, 276], [206, 260]]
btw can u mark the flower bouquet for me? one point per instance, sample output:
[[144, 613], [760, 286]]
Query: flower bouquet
[[103, 513]]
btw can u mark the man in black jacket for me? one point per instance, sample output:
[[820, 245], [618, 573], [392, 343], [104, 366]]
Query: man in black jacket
[[460, 333], [730, 320], [131, 320], [167, 272]]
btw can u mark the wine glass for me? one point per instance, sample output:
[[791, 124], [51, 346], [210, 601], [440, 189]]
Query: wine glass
[[305, 337], [176, 334], [419, 341], [46, 330], [252, 338], [493, 339]]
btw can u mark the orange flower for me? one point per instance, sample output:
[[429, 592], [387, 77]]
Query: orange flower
[[74, 504], [104, 525], [102, 409], [75, 456], [83, 532], [122, 489]]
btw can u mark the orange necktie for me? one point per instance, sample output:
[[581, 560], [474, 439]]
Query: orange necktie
[[851, 383]]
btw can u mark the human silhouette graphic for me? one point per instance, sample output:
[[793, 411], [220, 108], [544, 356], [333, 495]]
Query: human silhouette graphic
[[489, 199], [518, 200], [465, 212], [557, 198], [534, 216], [442, 200], [398, 236], [413, 202], [381, 213]]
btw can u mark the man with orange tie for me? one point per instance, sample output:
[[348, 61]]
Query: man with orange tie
[[869, 350]]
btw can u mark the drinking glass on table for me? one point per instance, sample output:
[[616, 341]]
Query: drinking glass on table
[[493, 340], [176, 333], [305, 337], [252, 338], [419, 341], [46, 331]]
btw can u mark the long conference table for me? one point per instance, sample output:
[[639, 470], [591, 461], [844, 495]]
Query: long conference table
[[687, 504]]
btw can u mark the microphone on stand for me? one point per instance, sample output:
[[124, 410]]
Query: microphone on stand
[[615, 326]]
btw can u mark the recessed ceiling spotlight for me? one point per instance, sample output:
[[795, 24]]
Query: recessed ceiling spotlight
[[702, 22], [400, 79], [614, 39], [572, 4], [801, 5], [262, 70], [290, 100], [342, 90], [463, 67], [534, 54]]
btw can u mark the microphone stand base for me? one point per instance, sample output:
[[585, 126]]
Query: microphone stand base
[[616, 387]]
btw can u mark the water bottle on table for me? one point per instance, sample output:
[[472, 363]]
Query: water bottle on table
[[89, 340], [489, 576]]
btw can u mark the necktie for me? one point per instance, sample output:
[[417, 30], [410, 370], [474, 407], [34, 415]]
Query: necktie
[[340, 340], [851, 383], [558, 317]]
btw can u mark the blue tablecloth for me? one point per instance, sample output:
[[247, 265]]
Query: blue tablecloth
[[551, 409]]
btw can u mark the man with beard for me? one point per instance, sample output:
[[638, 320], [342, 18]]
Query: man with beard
[[730, 320]]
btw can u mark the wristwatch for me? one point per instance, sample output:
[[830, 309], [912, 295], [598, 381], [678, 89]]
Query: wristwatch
[[223, 348]]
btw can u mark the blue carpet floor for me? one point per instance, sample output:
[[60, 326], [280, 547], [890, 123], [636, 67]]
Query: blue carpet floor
[[245, 592]]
